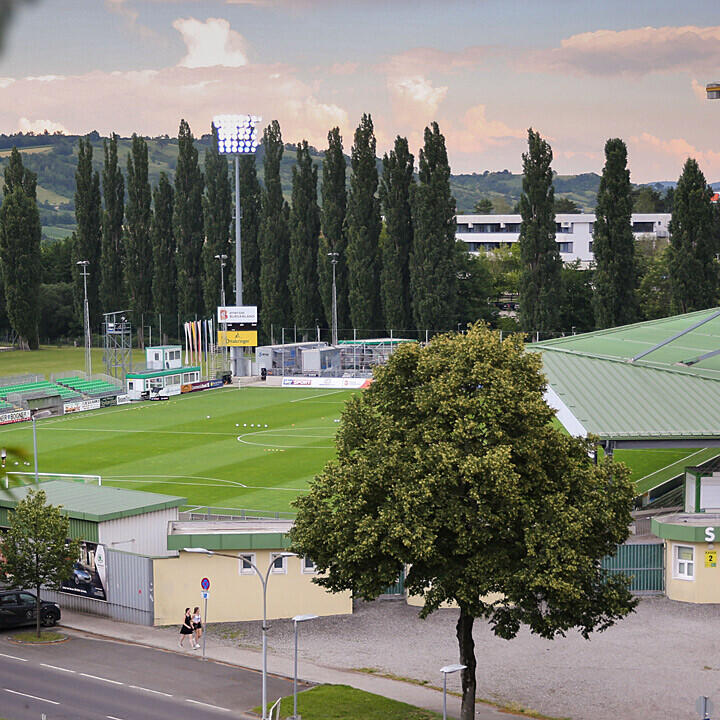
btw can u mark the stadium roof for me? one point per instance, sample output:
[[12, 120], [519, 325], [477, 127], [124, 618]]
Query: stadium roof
[[655, 383], [92, 502]]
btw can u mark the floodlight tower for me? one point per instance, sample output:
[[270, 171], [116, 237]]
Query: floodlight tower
[[713, 90], [237, 135], [333, 260], [86, 312]]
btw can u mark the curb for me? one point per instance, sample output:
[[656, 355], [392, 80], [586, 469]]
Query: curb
[[63, 639]]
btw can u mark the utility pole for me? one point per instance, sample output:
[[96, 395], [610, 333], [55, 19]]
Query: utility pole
[[333, 260], [86, 311], [222, 259]]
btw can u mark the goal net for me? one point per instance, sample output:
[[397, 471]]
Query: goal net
[[16, 478]]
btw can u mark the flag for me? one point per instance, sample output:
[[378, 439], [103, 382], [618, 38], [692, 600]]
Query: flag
[[187, 343]]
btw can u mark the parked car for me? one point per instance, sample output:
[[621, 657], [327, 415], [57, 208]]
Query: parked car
[[18, 607]]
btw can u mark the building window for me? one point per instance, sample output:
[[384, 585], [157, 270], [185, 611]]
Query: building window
[[308, 566], [565, 247], [590, 244], [279, 562], [244, 565], [684, 562]]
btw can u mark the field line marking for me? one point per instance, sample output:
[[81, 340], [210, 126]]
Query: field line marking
[[178, 477], [149, 432], [34, 697], [107, 680], [204, 704], [13, 657], [687, 457], [55, 667], [310, 397]]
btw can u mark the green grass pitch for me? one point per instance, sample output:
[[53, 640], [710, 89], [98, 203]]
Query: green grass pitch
[[211, 447]]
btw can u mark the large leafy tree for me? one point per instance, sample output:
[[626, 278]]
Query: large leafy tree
[[396, 243], [251, 204], [112, 292], [164, 282], [362, 225], [20, 250], [449, 465], [576, 302], [693, 270], [475, 287], [188, 224], [138, 247], [274, 239], [432, 260], [304, 235], [655, 291], [88, 233], [36, 551], [615, 300], [217, 208], [333, 238], [540, 282]]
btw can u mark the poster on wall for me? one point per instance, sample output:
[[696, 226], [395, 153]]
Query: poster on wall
[[89, 575]]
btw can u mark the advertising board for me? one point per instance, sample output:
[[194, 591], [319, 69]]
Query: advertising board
[[237, 338], [237, 315], [122, 399], [328, 383], [89, 576], [201, 385], [14, 417], [81, 406], [108, 402]]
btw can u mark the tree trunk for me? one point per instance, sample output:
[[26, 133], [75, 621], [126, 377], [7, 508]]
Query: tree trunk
[[467, 657]]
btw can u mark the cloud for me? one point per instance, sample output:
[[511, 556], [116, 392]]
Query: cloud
[[130, 16], [422, 60], [418, 90], [211, 43], [663, 159], [477, 133], [40, 126], [637, 51]]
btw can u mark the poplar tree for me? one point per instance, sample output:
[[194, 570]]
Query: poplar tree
[[396, 240], [88, 233], [164, 283], [614, 300], [333, 238], [693, 271], [251, 204], [188, 224], [138, 254], [432, 260], [20, 250], [273, 239], [112, 295], [217, 209], [540, 278], [304, 234], [362, 225]]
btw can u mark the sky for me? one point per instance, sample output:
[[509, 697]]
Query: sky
[[579, 72]]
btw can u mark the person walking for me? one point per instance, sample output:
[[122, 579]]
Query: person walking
[[187, 629], [197, 626]]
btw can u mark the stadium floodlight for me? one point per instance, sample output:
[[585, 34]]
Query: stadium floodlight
[[237, 134], [713, 90]]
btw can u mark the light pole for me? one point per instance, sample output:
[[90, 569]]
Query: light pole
[[86, 311], [237, 135], [35, 416], [333, 260], [447, 670], [222, 259], [296, 621], [263, 581]]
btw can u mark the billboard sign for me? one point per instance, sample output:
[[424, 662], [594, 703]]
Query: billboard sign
[[238, 315], [237, 338], [89, 576], [14, 416]]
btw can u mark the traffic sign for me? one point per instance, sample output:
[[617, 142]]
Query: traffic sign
[[204, 594], [205, 584]]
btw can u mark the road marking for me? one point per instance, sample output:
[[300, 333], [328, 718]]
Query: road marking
[[12, 657], [95, 677], [112, 717], [55, 667], [156, 692], [34, 697], [312, 397], [214, 707]]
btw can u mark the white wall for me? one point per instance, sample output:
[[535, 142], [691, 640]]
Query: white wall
[[142, 534]]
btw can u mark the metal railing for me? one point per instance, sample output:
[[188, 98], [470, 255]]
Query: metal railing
[[207, 512]]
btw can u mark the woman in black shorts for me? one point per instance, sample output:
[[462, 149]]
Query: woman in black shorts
[[197, 626]]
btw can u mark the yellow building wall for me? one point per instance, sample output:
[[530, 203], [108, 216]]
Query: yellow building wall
[[235, 597], [705, 588], [419, 601]]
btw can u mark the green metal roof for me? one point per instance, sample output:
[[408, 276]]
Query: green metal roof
[[161, 373], [93, 502]]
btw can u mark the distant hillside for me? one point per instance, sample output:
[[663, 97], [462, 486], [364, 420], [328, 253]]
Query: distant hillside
[[54, 158]]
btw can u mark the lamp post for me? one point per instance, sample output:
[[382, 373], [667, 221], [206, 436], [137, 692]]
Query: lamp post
[[296, 621], [447, 670], [34, 416], [222, 259], [333, 260], [263, 581], [236, 136], [86, 312]]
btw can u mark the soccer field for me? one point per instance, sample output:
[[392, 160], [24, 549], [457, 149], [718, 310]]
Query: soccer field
[[212, 448]]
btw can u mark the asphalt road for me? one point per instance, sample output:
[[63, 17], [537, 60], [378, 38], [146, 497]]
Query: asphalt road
[[90, 679]]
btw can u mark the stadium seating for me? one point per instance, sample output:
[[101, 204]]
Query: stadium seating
[[40, 387], [91, 388]]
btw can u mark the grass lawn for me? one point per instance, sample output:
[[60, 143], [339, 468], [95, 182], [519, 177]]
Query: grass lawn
[[341, 702], [50, 358], [210, 447]]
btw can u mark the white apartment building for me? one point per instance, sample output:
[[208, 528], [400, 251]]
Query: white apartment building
[[573, 232]]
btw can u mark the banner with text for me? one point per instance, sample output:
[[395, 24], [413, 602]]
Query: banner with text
[[81, 406], [237, 338], [238, 315], [14, 417], [332, 383]]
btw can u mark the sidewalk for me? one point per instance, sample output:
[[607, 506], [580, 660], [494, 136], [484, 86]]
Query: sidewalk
[[277, 664]]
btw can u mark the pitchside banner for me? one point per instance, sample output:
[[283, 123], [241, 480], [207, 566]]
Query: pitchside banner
[[81, 406], [237, 326], [315, 382], [15, 416]]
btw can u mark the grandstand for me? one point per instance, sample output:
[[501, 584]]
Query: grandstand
[[17, 391], [91, 388]]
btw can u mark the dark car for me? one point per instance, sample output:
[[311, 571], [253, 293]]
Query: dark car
[[18, 607]]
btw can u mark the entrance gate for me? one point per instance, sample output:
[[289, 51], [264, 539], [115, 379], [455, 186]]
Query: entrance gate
[[643, 562]]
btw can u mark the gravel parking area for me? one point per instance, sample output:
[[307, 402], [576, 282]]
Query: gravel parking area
[[653, 664]]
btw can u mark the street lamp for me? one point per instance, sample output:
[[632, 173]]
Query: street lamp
[[447, 670], [237, 135], [334, 257], [86, 312], [264, 581], [35, 416], [296, 621]]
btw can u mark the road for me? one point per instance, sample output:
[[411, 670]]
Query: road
[[90, 679]]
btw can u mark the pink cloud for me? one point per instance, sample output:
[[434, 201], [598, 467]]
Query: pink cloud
[[423, 60], [476, 132], [663, 158]]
